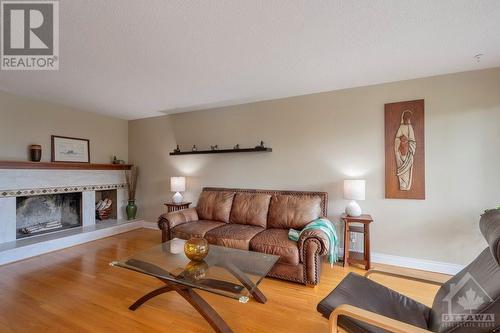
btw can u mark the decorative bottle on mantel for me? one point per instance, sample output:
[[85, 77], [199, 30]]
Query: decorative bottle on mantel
[[131, 178]]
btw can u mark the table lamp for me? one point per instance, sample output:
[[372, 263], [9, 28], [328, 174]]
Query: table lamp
[[177, 184], [354, 189]]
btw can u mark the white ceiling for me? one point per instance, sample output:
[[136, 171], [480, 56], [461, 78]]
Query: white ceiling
[[133, 59]]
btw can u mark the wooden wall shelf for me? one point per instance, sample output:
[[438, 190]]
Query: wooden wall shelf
[[223, 151], [61, 166]]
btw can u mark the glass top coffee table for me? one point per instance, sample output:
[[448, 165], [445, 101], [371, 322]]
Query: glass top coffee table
[[225, 271]]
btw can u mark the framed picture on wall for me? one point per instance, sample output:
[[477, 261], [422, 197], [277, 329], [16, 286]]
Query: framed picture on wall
[[71, 150], [404, 150]]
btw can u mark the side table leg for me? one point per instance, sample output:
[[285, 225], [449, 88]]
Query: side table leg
[[346, 244], [367, 247]]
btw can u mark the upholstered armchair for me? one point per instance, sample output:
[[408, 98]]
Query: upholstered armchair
[[360, 305]]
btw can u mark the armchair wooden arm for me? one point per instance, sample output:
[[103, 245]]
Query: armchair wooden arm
[[371, 318], [404, 276]]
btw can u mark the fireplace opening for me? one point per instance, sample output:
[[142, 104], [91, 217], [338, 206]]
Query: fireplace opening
[[42, 214]]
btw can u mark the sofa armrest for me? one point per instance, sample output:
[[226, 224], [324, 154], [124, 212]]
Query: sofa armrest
[[170, 220], [313, 235]]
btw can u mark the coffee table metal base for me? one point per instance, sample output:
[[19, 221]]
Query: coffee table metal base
[[206, 311]]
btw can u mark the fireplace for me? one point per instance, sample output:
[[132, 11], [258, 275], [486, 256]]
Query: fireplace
[[42, 214]]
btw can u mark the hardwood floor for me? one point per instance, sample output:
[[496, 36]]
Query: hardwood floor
[[75, 290]]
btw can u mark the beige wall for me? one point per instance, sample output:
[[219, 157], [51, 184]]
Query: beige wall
[[25, 121], [318, 140]]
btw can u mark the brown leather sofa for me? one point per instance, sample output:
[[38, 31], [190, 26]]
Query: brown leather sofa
[[258, 220]]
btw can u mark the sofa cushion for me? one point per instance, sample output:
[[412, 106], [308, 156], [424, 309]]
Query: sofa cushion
[[250, 208], [275, 241], [236, 236], [215, 205], [293, 211], [194, 229], [366, 294]]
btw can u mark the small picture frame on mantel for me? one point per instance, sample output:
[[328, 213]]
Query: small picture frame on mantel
[[70, 150]]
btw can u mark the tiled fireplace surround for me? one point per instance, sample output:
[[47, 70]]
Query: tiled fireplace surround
[[25, 182]]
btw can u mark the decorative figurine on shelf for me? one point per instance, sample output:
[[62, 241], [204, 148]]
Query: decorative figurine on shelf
[[194, 148], [117, 161], [237, 146], [261, 146], [177, 150], [214, 147]]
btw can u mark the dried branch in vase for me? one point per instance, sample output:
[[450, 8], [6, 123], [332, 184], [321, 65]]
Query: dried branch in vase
[[131, 178]]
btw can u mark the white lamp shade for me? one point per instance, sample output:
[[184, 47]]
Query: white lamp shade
[[354, 189], [177, 184]]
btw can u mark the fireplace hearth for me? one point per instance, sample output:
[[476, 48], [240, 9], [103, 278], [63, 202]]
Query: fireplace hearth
[[41, 214]]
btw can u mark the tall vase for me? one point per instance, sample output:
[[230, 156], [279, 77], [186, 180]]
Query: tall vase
[[131, 210]]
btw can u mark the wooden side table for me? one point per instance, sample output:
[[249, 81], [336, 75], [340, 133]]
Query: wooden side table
[[173, 207], [353, 257]]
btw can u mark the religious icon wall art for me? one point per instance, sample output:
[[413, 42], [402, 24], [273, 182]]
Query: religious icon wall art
[[404, 150]]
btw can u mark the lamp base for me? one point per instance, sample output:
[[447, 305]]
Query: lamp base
[[177, 198], [353, 209]]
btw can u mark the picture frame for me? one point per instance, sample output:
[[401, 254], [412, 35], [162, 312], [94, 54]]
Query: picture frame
[[405, 150], [70, 150]]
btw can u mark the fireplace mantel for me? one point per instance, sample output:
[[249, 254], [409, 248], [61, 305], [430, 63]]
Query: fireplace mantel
[[61, 166]]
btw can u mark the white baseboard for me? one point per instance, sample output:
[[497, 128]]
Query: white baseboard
[[150, 225], [421, 264], [414, 263]]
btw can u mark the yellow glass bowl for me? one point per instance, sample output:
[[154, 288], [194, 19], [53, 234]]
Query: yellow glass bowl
[[196, 248]]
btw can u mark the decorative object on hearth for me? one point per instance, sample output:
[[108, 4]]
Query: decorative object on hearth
[[35, 153], [103, 209], [70, 150], [32, 229], [404, 150], [194, 148], [214, 147], [177, 149], [117, 161], [196, 248], [237, 146], [131, 178], [196, 270], [177, 185], [354, 189]]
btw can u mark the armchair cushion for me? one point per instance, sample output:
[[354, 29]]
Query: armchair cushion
[[194, 229], [368, 295], [174, 219], [276, 242], [490, 227]]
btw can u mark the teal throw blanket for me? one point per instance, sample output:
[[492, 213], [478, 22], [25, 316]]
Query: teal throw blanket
[[328, 228]]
